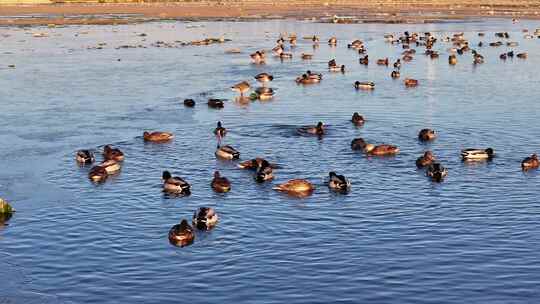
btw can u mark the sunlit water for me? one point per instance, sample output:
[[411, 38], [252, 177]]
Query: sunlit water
[[397, 237]]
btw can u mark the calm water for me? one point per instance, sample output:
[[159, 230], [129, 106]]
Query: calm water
[[396, 238]]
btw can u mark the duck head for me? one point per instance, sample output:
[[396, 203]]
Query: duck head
[[166, 175]]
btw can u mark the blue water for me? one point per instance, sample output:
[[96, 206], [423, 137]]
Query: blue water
[[396, 238]]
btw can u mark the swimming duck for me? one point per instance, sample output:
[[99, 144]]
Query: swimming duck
[[364, 85], [157, 136], [409, 82], [426, 135], [111, 166], [241, 87], [181, 234], [252, 164], [338, 182], [355, 44], [530, 162], [175, 184], [522, 55], [477, 58], [510, 54], [437, 172], [220, 183], [407, 58], [98, 174], [309, 78], [264, 78], [361, 50], [364, 60], [357, 119], [425, 160], [190, 103], [382, 61], [395, 74], [452, 59], [286, 55], [227, 152], [277, 50], [332, 41], [205, 218], [264, 172], [397, 64], [358, 144], [305, 56], [220, 131], [263, 93], [333, 67], [215, 103], [112, 153], [381, 150], [258, 57], [298, 187], [315, 39], [503, 56], [85, 157], [477, 154], [315, 130]]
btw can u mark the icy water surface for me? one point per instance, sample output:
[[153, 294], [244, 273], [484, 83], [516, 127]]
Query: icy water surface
[[396, 238]]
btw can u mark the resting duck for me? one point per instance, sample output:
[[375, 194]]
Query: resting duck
[[84, 157], [264, 78], [227, 152], [355, 44], [309, 78], [205, 218], [181, 234], [255, 164], [98, 174], [437, 172], [315, 130], [381, 150], [112, 153], [241, 87], [158, 137], [382, 61], [220, 183], [357, 119], [395, 74], [338, 182], [190, 103], [364, 60], [264, 172], [409, 82], [522, 55], [215, 103], [220, 131], [426, 135], [175, 185], [285, 55], [452, 59], [530, 162], [477, 154], [305, 56], [364, 85], [333, 67], [299, 187], [358, 144], [427, 159], [332, 41]]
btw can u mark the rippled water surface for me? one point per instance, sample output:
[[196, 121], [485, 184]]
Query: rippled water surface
[[397, 237]]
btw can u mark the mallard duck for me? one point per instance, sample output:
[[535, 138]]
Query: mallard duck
[[336, 68], [332, 41], [427, 159], [338, 182], [355, 44], [299, 187], [98, 174], [395, 74], [175, 184], [452, 59], [215, 103], [227, 152], [220, 131], [220, 183], [382, 61], [181, 234], [409, 82], [381, 150], [205, 218], [357, 119], [315, 130], [426, 135], [158, 136], [522, 55], [309, 78], [477, 154], [110, 153], [437, 172], [264, 78], [530, 162], [264, 172], [305, 56], [264, 93], [190, 103], [242, 87], [358, 144], [84, 157], [364, 60], [364, 85]]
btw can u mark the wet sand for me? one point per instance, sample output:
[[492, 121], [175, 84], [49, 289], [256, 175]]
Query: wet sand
[[366, 11]]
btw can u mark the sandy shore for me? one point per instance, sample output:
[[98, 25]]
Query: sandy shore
[[396, 11]]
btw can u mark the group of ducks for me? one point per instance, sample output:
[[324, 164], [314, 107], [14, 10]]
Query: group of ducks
[[206, 218]]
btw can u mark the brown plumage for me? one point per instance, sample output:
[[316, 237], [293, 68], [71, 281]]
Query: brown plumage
[[220, 183]]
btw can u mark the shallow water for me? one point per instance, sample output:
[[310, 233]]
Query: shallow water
[[397, 237]]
